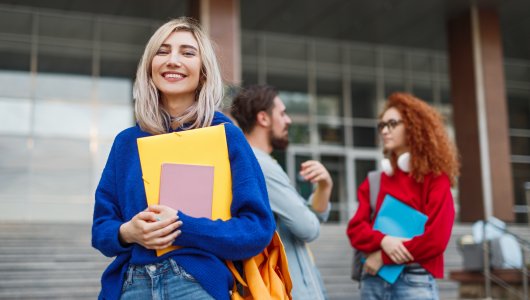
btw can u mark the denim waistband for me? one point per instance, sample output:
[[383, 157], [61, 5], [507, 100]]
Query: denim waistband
[[156, 268]]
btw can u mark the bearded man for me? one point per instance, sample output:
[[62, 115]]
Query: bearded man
[[261, 115]]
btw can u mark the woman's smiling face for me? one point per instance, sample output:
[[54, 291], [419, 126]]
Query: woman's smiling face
[[176, 67]]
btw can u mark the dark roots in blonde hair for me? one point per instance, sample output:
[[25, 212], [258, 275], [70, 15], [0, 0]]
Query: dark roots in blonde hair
[[431, 149]]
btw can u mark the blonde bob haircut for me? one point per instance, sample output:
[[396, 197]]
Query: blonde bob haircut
[[150, 113]]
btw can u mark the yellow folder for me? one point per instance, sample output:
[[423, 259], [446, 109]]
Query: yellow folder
[[203, 146]]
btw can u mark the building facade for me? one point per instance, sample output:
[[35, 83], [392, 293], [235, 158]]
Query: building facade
[[66, 75]]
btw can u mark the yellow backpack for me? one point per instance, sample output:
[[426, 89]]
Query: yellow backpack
[[266, 275]]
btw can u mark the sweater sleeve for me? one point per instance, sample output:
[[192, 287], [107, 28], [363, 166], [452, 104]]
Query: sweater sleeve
[[441, 214], [107, 217], [359, 230], [251, 227]]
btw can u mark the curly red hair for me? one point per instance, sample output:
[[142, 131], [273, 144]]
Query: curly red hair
[[430, 148]]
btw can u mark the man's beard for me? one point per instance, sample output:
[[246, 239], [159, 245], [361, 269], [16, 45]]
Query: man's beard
[[278, 143]]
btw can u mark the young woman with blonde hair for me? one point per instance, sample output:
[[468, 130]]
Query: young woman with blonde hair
[[420, 167], [178, 87]]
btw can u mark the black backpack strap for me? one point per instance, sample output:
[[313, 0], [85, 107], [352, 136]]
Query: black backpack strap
[[374, 178]]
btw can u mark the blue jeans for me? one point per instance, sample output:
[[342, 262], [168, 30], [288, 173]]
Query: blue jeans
[[409, 285], [162, 281]]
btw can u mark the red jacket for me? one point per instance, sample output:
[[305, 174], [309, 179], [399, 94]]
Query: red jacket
[[432, 197]]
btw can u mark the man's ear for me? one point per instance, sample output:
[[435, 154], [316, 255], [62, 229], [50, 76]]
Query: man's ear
[[263, 119]]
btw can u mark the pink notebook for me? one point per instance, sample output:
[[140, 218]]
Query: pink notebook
[[187, 188]]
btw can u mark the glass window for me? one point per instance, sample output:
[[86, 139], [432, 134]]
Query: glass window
[[67, 27], [286, 48], [332, 134], [114, 90], [519, 108], [120, 64], [15, 84], [328, 52], [64, 87], [521, 176], [14, 182], [293, 92], [362, 167], [363, 99], [520, 145], [517, 71], [15, 116], [392, 86], [249, 45], [113, 119], [62, 119], [335, 167], [64, 59], [329, 98], [295, 103], [279, 156], [61, 183], [423, 91], [16, 22], [393, 60], [442, 65], [364, 137], [250, 78], [50, 154], [299, 133], [15, 153], [421, 63], [362, 57], [305, 188], [445, 96], [14, 169], [133, 33], [14, 56]]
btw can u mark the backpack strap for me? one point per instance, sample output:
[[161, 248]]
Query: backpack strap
[[374, 179]]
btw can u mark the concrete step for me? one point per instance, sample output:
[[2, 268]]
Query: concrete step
[[73, 292], [46, 282], [56, 261]]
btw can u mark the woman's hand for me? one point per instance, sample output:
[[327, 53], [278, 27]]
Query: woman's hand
[[394, 248], [154, 228], [373, 263]]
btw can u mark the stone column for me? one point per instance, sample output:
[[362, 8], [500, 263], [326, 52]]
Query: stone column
[[480, 115]]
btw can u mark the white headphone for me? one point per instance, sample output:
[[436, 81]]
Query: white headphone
[[403, 163]]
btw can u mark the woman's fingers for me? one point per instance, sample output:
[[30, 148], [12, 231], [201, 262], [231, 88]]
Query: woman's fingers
[[165, 241], [401, 255]]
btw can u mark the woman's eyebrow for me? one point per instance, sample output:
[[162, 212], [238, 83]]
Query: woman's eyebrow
[[185, 46]]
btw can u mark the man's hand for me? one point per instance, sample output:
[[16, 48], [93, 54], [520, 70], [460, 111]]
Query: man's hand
[[315, 172]]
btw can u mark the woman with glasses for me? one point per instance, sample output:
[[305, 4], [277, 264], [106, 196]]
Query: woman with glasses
[[420, 166]]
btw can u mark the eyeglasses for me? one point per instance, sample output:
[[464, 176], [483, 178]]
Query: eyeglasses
[[391, 124]]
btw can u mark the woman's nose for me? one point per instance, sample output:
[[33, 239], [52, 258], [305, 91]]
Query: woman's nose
[[174, 60]]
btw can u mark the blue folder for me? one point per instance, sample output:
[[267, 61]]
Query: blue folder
[[400, 220]]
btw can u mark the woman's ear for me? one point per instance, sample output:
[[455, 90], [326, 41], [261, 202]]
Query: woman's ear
[[263, 119]]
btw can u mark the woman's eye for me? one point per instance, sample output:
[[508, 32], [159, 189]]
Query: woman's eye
[[162, 52], [189, 53]]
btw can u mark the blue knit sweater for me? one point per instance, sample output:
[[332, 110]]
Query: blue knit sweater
[[120, 195]]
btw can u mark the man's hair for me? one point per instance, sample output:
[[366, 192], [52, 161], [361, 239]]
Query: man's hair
[[249, 102]]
